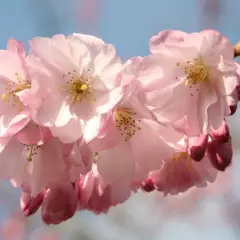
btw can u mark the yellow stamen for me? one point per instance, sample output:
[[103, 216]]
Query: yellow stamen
[[196, 72], [183, 156], [31, 151], [126, 123], [84, 87], [4, 96], [12, 89], [78, 88]]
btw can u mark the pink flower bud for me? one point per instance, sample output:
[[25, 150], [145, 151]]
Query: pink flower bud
[[220, 154], [233, 109], [197, 147], [60, 204], [29, 204], [148, 185], [222, 133]]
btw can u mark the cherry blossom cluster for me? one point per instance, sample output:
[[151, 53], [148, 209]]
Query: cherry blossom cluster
[[81, 130]]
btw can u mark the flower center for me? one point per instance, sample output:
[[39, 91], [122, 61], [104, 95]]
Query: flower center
[[12, 89], [126, 123], [196, 72], [79, 89], [178, 156], [31, 150], [183, 156]]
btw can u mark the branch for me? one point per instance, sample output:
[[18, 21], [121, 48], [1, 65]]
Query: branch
[[237, 50]]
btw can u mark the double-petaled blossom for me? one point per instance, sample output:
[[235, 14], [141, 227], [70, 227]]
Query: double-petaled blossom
[[196, 78], [194, 163], [76, 75], [14, 81], [180, 172], [133, 142]]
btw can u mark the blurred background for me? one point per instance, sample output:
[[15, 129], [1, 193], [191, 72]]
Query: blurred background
[[209, 214]]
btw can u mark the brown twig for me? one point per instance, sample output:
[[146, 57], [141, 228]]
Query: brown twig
[[237, 50]]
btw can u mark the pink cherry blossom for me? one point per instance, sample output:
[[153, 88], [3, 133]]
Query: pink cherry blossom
[[196, 78], [133, 142], [15, 80], [60, 203], [34, 165], [76, 75], [181, 172], [97, 196]]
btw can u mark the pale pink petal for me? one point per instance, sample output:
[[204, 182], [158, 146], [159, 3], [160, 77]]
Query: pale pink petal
[[215, 39], [11, 159], [116, 164], [55, 52], [166, 37], [207, 97], [33, 134], [89, 40], [50, 111], [16, 46], [7, 61], [13, 122], [48, 166], [107, 63], [230, 81], [108, 138], [68, 133], [150, 152]]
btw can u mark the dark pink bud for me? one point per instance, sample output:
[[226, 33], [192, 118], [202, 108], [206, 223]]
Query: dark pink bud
[[148, 185], [220, 154], [233, 109], [60, 204], [29, 204], [197, 147], [222, 133], [238, 89]]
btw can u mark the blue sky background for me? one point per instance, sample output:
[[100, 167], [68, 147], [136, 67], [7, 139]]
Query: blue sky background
[[128, 24]]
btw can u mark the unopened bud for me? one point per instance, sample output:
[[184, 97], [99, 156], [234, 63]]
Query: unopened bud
[[148, 185], [222, 133], [220, 154], [60, 204], [197, 147]]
